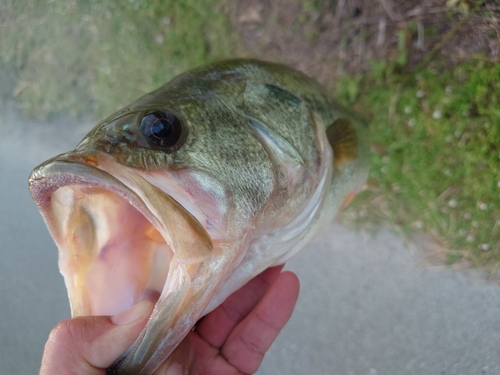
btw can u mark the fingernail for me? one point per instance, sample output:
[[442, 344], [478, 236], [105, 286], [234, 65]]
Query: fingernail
[[174, 369], [133, 314]]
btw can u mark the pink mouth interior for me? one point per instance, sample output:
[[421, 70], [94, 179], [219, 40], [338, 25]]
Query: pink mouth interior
[[111, 256]]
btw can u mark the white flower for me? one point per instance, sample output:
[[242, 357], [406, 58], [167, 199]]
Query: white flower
[[396, 188], [485, 246], [159, 39], [437, 114], [482, 206]]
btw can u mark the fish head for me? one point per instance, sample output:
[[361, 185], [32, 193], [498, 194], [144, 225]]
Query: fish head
[[149, 206]]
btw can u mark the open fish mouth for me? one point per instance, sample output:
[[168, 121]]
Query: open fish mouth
[[117, 246]]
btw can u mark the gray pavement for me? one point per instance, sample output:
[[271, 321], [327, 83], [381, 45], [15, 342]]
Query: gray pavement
[[366, 307]]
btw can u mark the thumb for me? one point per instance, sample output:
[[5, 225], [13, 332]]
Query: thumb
[[90, 344]]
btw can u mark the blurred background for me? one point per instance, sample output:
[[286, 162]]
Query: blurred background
[[424, 73]]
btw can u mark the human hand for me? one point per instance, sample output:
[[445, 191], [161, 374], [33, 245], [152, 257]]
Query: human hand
[[231, 340]]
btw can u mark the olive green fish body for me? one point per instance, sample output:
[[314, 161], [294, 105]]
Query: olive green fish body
[[205, 182]]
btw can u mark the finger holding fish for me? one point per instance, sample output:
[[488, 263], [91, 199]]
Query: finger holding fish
[[88, 345]]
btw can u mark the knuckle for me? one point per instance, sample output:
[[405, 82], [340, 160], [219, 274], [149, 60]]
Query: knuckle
[[76, 331]]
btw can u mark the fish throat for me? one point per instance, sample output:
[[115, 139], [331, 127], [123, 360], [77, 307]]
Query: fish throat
[[112, 257]]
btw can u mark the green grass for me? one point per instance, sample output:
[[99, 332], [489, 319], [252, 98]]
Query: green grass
[[435, 155], [94, 57]]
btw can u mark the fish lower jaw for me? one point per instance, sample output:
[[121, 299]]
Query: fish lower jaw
[[111, 255]]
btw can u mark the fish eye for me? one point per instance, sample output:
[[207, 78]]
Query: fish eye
[[162, 129]]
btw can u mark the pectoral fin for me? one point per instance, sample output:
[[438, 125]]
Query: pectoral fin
[[342, 137], [348, 199]]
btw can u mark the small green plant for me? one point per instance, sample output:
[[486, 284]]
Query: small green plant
[[403, 53], [313, 5], [465, 6]]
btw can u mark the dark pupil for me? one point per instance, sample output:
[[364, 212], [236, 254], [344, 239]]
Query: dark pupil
[[161, 129]]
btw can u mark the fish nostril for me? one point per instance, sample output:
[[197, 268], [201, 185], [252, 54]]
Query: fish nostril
[[76, 157], [111, 138]]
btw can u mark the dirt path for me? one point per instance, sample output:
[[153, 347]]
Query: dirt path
[[327, 37]]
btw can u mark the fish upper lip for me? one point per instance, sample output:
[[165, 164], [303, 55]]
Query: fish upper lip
[[56, 173], [46, 169]]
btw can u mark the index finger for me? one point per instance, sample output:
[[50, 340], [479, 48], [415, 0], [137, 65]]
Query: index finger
[[250, 340], [216, 326]]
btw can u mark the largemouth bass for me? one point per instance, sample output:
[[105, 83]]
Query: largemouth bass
[[189, 192]]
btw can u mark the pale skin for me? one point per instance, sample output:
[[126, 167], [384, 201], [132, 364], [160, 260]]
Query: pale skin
[[231, 340]]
